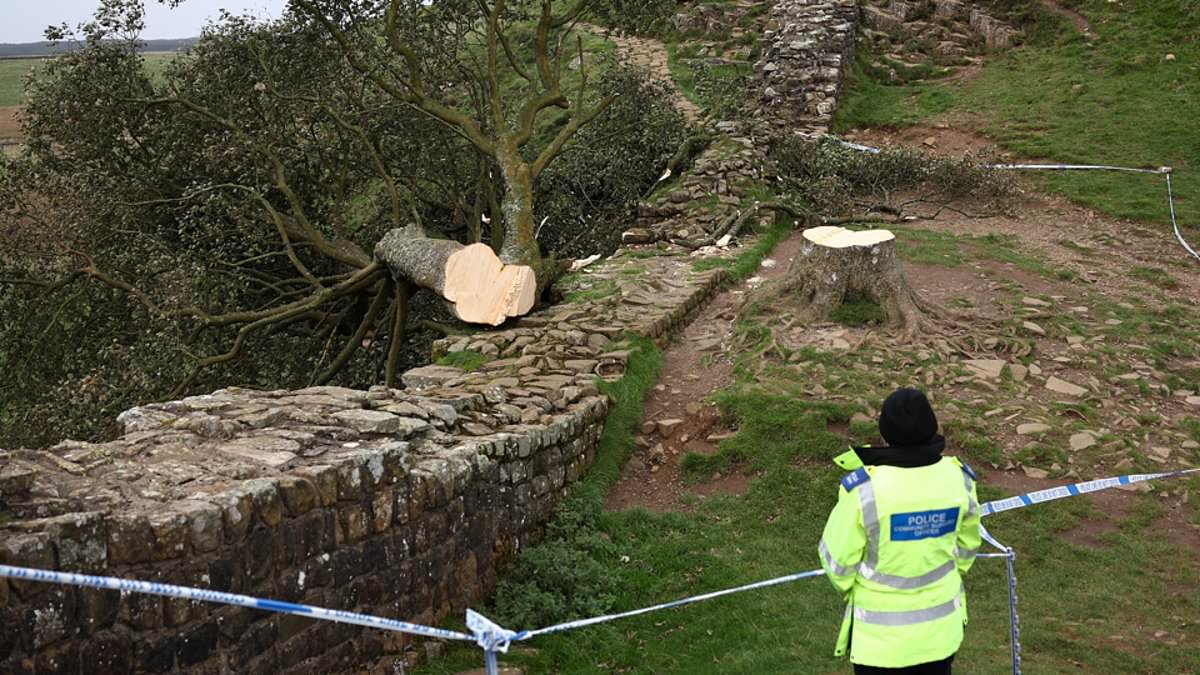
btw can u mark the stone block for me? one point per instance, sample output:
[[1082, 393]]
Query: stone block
[[50, 617], [350, 481], [237, 511], [353, 524], [28, 550], [347, 563], [197, 644], [299, 495], [382, 505], [156, 654], [255, 647], [205, 524], [171, 535], [257, 555], [141, 612], [60, 659], [109, 652], [225, 574], [266, 500], [325, 479], [429, 377], [80, 539], [130, 539], [97, 609]]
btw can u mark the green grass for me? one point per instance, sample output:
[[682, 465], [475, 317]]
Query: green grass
[[857, 313], [749, 260], [1118, 102], [1157, 276], [467, 360], [1082, 609], [12, 79], [597, 290], [14, 71]]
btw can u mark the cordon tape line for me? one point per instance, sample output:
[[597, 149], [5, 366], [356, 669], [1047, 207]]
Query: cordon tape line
[[494, 639], [1074, 489], [202, 595]]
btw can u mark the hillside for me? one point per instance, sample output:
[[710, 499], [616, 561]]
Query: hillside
[[25, 50]]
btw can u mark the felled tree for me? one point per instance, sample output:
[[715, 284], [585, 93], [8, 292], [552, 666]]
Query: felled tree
[[277, 175]]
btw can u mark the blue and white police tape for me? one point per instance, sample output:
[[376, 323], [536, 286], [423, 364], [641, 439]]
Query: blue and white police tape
[[571, 625], [201, 595], [1064, 491]]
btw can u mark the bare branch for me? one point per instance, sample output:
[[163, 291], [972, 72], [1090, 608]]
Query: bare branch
[[355, 340]]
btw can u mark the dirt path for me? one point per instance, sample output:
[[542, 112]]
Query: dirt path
[[697, 364], [651, 55], [1081, 22]]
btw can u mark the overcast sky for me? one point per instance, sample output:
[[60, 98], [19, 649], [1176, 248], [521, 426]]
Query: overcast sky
[[26, 20]]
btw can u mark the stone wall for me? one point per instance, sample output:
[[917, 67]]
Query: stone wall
[[808, 47], [932, 32], [395, 503]]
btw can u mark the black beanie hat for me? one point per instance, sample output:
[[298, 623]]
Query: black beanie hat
[[907, 419]]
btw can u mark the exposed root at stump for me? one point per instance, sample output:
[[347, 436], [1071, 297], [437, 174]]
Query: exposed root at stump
[[837, 266]]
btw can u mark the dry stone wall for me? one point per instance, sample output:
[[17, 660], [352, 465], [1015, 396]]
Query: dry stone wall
[[390, 502], [808, 47]]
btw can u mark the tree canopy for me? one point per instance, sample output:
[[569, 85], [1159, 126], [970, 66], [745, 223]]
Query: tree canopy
[[219, 225]]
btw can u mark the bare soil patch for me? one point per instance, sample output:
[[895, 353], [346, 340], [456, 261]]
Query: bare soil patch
[[696, 365], [10, 128], [940, 138]]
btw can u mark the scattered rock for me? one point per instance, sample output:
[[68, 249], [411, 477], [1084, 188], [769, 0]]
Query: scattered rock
[[1018, 372], [1082, 441], [429, 376], [1032, 428], [989, 368], [666, 428], [1034, 472], [1061, 386], [1033, 328]]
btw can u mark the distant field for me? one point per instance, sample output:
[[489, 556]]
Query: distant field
[[13, 72]]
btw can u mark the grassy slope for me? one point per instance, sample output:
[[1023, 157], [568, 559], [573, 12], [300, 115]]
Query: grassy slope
[[1083, 610], [1120, 101]]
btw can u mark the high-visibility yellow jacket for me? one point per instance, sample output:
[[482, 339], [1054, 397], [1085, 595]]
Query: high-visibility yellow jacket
[[897, 546]]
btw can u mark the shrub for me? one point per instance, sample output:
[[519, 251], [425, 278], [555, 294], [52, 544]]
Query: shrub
[[636, 17], [832, 176], [567, 576], [590, 190], [721, 88]]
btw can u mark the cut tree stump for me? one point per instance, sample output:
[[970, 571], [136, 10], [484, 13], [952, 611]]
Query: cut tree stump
[[837, 265], [479, 287]]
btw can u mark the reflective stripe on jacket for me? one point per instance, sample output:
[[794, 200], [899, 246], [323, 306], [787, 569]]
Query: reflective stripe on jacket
[[896, 546]]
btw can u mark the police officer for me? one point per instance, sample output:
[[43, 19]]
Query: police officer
[[904, 532]]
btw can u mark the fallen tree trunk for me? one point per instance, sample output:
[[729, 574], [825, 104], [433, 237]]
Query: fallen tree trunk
[[479, 287]]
